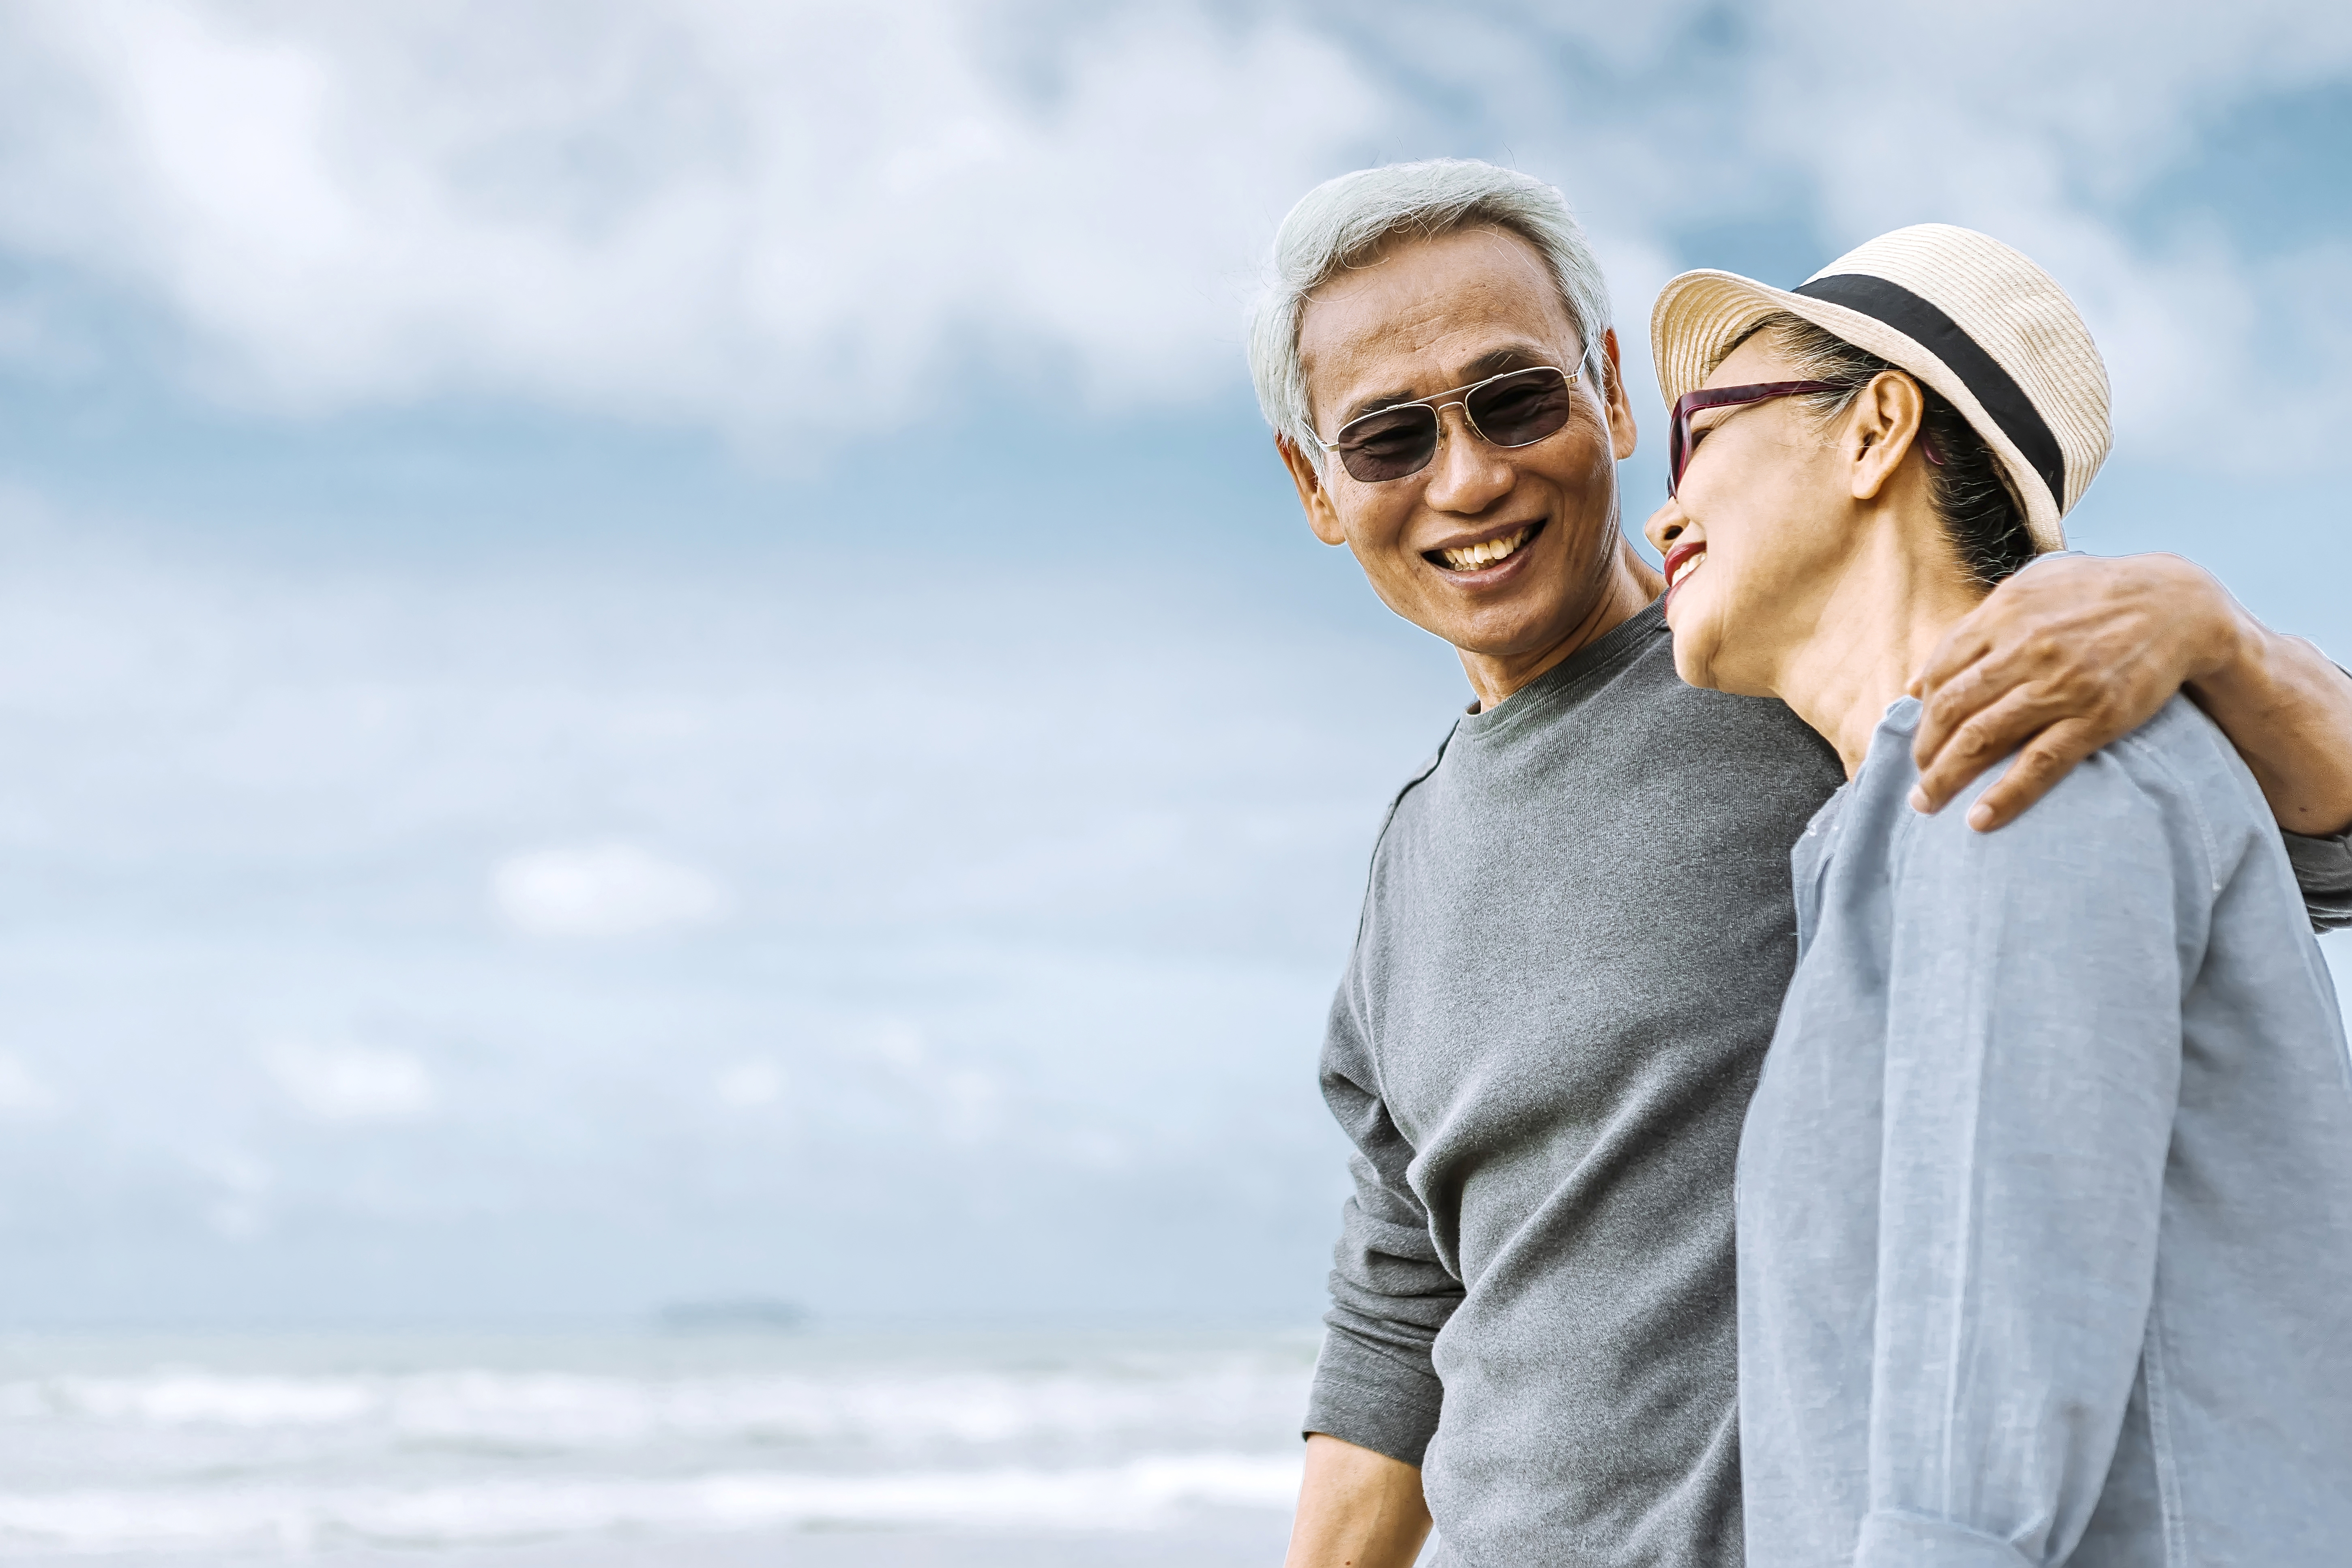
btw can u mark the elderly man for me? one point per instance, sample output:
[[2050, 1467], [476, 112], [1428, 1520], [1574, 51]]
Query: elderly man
[[1578, 925]]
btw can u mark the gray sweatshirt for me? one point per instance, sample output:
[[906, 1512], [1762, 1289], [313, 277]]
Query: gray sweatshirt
[[1572, 952]]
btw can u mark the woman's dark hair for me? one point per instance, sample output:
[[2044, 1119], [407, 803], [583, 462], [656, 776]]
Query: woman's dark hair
[[1971, 494]]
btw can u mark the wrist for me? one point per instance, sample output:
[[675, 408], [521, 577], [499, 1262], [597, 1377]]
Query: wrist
[[2234, 668], [2225, 645]]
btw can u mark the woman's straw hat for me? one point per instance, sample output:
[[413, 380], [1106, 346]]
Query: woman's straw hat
[[1964, 313]]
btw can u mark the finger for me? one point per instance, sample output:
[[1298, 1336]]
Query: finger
[[1993, 627], [1955, 652], [1947, 706], [2052, 755], [1982, 739], [2016, 662]]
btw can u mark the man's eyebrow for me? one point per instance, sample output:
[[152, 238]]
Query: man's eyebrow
[[1494, 362], [1374, 405]]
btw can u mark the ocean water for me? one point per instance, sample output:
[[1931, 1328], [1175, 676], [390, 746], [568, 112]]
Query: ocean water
[[603, 1451]]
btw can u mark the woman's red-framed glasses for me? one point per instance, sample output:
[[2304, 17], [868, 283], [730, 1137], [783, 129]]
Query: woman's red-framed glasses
[[1679, 431]]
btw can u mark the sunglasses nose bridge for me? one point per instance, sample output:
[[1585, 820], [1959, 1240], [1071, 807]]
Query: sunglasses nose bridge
[[1437, 413], [1440, 438]]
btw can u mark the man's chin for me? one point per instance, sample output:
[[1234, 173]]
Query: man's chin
[[1531, 638], [1522, 620]]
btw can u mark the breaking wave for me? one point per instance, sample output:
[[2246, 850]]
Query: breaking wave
[[1136, 1495], [265, 1448]]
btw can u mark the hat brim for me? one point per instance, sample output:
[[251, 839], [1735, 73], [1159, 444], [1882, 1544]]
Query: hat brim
[[1701, 314]]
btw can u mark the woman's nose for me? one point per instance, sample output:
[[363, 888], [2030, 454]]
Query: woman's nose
[[1665, 526]]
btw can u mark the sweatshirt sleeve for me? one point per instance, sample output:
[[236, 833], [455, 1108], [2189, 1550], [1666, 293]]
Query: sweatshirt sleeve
[[2323, 869], [2033, 1070], [1374, 1383]]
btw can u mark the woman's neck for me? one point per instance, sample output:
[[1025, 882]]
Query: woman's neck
[[1893, 600]]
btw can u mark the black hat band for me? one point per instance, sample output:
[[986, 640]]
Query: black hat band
[[1994, 388]]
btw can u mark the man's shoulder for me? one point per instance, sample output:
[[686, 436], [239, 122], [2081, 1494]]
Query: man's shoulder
[[1623, 732], [1639, 721], [1413, 780]]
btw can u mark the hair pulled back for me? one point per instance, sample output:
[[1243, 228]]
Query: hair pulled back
[[1972, 495]]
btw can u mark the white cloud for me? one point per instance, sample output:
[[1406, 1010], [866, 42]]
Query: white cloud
[[749, 1085], [2046, 147], [602, 890], [22, 1092], [794, 220], [755, 214], [967, 1101], [238, 1205], [343, 1081]]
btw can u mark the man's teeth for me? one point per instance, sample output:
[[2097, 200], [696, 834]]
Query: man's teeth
[[1687, 567], [1470, 557]]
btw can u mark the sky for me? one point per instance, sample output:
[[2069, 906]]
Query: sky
[[652, 652]]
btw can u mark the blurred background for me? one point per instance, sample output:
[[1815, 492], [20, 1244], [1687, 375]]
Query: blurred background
[[658, 686]]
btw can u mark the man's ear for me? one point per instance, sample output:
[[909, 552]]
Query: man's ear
[[1881, 429], [1623, 436], [1321, 515]]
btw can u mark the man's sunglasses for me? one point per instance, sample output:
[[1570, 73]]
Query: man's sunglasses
[[1516, 408]]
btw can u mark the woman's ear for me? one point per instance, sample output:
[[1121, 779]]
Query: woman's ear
[[1880, 432], [1322, 517]]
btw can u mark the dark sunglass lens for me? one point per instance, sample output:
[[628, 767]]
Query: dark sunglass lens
[[1388, 444], [1517, 410]]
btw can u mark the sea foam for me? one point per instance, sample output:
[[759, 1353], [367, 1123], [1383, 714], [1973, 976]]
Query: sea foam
[[1136, 1495], [270, 1449]]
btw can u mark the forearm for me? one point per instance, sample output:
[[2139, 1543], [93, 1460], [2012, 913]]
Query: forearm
[[2078, 652], [2289, 712], [1357, 1509]]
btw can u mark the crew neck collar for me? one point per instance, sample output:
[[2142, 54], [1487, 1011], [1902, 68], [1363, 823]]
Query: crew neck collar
[[1566, 682]]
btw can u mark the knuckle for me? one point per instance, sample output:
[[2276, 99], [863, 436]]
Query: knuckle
[[1977, 736], [2042, 767], [2077, 737], [1971, 691], [2056, 693]]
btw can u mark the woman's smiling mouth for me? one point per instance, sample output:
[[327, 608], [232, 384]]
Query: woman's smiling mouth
[[1485, 552], [1682, 561]]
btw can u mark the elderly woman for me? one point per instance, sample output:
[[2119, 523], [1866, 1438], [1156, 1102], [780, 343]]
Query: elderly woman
[[2045, 1196]]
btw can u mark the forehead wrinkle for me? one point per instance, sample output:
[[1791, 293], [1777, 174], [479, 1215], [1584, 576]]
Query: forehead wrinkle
[[1423, 308], [1497, 360]]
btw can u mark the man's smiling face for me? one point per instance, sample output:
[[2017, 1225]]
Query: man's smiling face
[[1503, 553]]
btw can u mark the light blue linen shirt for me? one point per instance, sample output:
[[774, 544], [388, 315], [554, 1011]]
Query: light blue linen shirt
[[2045, 1195]]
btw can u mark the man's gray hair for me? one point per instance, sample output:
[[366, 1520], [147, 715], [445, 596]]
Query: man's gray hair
[[1347, 222]]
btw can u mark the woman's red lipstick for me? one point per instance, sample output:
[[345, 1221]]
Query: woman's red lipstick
[[1690, 550]]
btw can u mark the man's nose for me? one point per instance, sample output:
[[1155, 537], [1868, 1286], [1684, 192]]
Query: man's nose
[[1466, 474]]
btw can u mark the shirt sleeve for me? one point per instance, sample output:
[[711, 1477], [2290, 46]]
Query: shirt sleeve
[[2323, 866], [2323, 869], [1375, 1386], [2033, 1040]]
